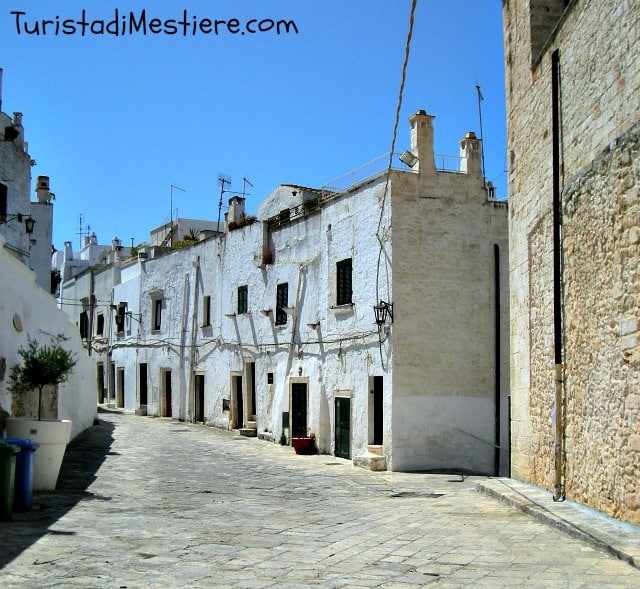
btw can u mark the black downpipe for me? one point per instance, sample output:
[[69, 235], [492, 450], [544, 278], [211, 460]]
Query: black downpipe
[[496, 285], [557, 284], [559, 491]]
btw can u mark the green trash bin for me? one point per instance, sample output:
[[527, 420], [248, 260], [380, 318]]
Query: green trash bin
[[7, 479]]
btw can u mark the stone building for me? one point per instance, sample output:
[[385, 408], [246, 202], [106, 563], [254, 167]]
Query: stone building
[[269, 327], [572, 85]]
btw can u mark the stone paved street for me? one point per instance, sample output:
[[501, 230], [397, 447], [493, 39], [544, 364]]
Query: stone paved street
[[148, 502]]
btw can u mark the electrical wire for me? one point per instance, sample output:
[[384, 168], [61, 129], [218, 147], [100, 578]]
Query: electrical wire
[[407, 52]]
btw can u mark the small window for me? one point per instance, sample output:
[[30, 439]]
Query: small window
[[269, 377], [84, 325], [243, 299], [3, 202], [206, 311], [100, 324], [157, 314], [282, 301], [122, 309], [343, 282]]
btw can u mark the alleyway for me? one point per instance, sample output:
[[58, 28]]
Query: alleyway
[[148, 502]]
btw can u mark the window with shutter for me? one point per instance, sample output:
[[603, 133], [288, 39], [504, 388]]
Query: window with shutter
[[282, 301], [343, 282], [243, 299]]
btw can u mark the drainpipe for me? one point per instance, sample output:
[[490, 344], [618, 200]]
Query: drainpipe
[[92, 307], [496, 285], [559, 491], [194, 334]]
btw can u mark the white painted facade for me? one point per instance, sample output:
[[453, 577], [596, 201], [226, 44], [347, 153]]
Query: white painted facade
[[203, 338], [26, 310]]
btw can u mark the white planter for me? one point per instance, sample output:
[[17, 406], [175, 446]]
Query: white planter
[[52, 436]]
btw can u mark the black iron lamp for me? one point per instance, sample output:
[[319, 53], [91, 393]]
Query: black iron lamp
[[383, 311], [29, 221]]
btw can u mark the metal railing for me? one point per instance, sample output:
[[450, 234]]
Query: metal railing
[[448, 163], [360, 175], [344, 183]]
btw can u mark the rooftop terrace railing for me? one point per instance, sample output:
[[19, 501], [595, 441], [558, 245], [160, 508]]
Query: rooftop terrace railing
[[344, 183]]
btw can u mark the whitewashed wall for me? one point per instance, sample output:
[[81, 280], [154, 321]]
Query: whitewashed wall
[[40, 319]]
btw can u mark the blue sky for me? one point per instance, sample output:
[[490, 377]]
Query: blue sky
[[114, 121]]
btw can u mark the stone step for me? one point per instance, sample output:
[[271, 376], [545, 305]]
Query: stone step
[[375, 449], [248, 432], [371, 462]]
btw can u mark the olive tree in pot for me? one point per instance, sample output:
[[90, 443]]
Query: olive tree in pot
[[43, 365]]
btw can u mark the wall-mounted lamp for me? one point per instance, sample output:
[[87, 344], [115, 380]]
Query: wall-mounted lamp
[[136, 316], [383, 311], [29, 221]]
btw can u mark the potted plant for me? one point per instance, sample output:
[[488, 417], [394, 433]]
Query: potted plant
[[43, 365], [305, 444]]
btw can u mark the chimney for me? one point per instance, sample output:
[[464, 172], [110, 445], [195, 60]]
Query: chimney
[[17, 124], [42, 189], [422, 141], [470, 152], [68, 251], [235, 213]]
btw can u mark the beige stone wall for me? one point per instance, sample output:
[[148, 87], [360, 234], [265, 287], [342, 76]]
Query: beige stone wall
[[602, 313], [600, 84], [444, 231]]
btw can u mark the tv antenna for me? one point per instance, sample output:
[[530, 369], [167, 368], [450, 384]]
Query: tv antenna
[[222, 180], [82, 232], [244, 186], [480, 99], [172, 186]]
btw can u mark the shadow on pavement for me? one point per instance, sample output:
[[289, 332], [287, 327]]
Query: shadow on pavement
[[82, 460]]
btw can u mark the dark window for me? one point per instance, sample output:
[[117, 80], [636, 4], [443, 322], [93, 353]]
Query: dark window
[[269, 377], [284, 215], [206, 311], [122, 309], [282, 301], [84, 325], [3, 202], [157, 314], [243, 299], [100, 325], [343, 281]]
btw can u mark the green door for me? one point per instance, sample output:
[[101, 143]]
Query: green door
[[343, 427]]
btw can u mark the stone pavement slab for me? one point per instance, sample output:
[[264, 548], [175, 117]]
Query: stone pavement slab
[[153, 503], [606, 533]]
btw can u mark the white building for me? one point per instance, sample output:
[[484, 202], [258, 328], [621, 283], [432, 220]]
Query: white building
[[270, 327], [25, 225], [27, 309]]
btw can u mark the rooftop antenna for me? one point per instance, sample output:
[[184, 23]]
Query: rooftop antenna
[[82, 232], [171, 211], [244, 186], [480, 99], [222, 180]]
